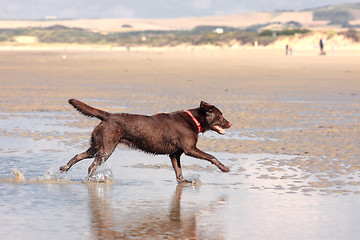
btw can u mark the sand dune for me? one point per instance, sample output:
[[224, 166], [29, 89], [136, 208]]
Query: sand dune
[[116, 25]]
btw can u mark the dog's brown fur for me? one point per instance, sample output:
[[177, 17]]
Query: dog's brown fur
[[165, 133]]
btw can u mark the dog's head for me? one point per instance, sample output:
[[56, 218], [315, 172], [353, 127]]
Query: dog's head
[[214, 118]]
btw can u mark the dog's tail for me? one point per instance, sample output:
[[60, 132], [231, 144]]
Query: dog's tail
[[88, 110]]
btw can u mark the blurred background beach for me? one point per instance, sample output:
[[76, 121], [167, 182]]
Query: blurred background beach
[[293, 148]]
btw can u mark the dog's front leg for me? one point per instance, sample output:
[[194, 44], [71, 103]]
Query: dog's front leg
[[175, 160], [197, 153]]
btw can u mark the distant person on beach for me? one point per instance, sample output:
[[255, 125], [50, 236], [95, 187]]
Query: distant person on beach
[[288, 50], [322, 43]]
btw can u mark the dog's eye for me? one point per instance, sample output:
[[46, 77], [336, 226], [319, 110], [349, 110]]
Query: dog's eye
[[210, 110]]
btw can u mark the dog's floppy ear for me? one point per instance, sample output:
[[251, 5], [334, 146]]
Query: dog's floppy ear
[[205, 106]]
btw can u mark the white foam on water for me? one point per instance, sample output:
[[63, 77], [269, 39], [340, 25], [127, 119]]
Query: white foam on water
[[101, 176], [54, 174], [193, 179]]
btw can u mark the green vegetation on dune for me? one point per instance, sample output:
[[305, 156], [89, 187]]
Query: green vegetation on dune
[[53, 34], [352, 34], [337, 15], [201, 35]]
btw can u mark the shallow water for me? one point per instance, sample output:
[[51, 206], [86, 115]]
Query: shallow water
[[264, 196], [293, 148]]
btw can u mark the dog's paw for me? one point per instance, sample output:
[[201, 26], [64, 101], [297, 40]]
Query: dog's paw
[[64, 168], [224, 168]]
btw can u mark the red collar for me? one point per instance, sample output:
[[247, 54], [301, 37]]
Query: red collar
[[195, 120]]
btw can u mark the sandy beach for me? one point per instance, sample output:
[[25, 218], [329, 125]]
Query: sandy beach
[[294, 137], [257, 89]]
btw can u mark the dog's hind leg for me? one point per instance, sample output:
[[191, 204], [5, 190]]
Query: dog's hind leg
[[108, 147], [100, 158], [75, 159]]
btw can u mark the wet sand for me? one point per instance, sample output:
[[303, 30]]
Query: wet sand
[[303, 105], [294, 138]]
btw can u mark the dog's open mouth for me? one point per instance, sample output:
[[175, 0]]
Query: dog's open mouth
[[219, 129]]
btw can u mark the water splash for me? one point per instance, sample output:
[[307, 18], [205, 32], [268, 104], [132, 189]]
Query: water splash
[[48, 178], [19, 176], [54, 174], [192, 179], [101, 176]]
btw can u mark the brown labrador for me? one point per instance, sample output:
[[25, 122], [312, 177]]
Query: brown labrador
[[172, 134]]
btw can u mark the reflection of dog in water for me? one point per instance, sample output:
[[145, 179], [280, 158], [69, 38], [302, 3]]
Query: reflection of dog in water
[[179, 221], [172, 134]]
